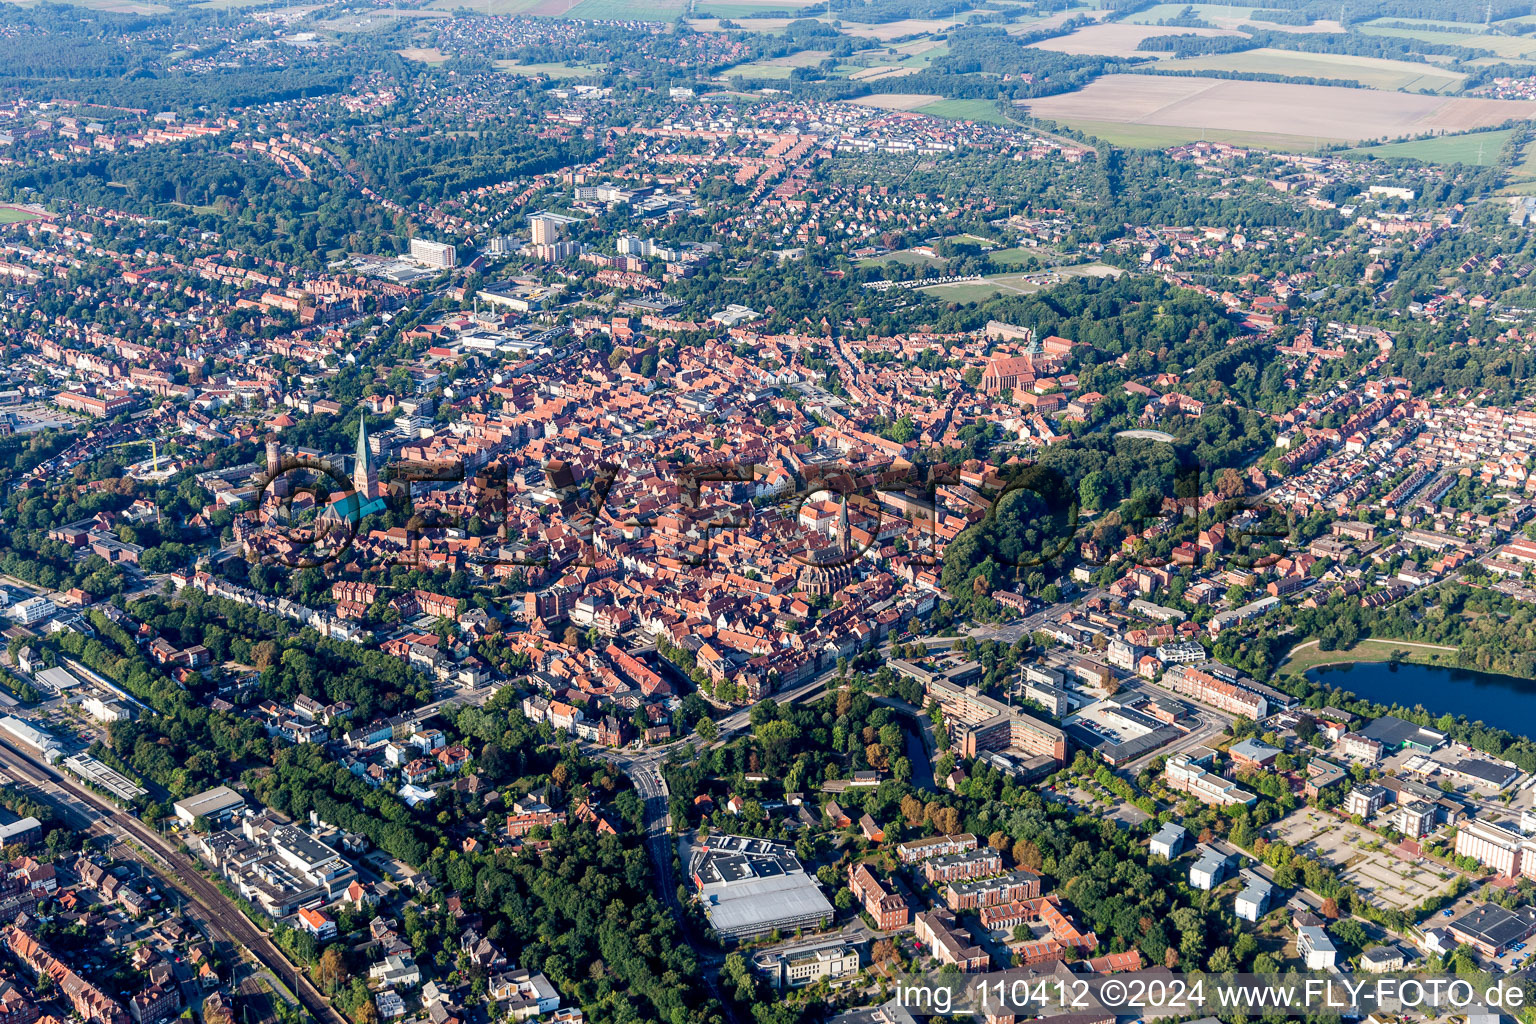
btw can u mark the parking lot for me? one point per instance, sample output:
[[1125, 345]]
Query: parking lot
[[1384, 879]]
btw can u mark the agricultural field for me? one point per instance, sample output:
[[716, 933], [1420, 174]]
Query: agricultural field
[[650, 10], [984, 111], [110, 6], [1117, 39], [743, 8], [1321, 113], [1224, 16], [899, 100], [1372, 72], [779, 67], [1476, 148], [892, 61], [374, 20], [235, 5], [1507, 47], [424, 55], [491, 6]]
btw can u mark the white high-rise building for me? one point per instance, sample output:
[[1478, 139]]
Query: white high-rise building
[[434, 254]]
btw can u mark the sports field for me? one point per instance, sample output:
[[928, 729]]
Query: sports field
[[10, 215]]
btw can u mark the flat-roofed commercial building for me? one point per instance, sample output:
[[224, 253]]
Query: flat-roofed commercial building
[[216, 805], [751, 887], [806, 965], [1493, 846]]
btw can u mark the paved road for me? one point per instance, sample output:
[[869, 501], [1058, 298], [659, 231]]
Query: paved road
[[85, 811], [644, 770]]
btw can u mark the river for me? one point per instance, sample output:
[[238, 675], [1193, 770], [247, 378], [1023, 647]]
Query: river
[[1503, 701]]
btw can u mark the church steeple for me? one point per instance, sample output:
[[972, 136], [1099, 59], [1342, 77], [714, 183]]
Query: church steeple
[[844, 541], [365, 476]]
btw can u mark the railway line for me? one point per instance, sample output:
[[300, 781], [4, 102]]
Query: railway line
[[86, 812]]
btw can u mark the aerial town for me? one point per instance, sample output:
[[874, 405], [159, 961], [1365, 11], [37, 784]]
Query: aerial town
[[561, 512]]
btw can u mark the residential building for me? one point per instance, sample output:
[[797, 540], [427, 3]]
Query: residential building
[[940, 932], [1315, 948], [885, 906]]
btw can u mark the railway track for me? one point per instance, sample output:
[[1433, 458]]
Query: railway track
[[83, 810]]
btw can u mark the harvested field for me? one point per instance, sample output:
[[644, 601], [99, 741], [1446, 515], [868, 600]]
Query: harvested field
[[870, 74], [423, 54], [1281, 108], [1118, 39], [898, 100], [1372, 72]]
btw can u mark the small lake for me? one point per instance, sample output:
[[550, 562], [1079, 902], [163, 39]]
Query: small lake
[[1505, 702]]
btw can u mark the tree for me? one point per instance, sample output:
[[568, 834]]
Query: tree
[[707, 729], [332, 970]]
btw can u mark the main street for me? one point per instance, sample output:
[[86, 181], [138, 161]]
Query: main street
[[84, 811]]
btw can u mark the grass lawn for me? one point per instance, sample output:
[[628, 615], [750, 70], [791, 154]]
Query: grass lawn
[[759, 69], [1477, 148], [967, 291], [1304, 659], [966, 110], [1012, 284], [1014, 256], [9, 216]]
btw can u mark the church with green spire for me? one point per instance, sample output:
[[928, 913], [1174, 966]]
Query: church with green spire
[[366, 496]]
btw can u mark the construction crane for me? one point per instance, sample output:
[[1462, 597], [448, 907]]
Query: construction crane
[[154, 448]]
